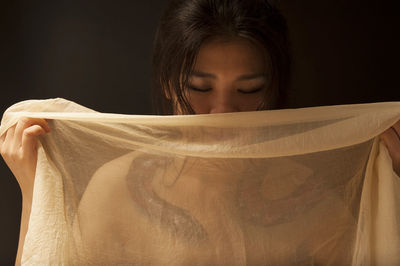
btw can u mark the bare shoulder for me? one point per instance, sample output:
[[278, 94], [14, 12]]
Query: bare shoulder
[[105, 199], [108, 181]]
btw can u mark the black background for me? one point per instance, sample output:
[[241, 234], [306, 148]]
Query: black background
[[98, 53]]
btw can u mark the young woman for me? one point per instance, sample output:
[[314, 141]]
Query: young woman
[[210, 56]]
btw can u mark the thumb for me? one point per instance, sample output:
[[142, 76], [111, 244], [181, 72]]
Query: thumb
[[29, 138]]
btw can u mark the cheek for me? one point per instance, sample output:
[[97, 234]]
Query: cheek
[[199, 102], [250, 102]]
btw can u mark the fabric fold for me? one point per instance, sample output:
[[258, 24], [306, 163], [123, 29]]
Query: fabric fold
[[284, 187]]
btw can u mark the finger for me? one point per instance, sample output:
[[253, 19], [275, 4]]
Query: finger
[[392, 143], [2, 140], [8, 136], [29, 138], [396, 127], [26, 122], [48, 124]]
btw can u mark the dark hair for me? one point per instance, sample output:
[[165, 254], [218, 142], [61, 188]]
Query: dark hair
[[187, 24]]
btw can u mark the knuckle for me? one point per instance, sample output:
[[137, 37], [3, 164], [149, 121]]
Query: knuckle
[[13, 155], [30, 132], [24, 120], [3, 152], [19, 156], [26, 133]]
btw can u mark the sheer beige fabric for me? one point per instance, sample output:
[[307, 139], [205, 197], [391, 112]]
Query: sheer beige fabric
[[311, 186]]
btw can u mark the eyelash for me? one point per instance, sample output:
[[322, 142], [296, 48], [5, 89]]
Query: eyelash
[[252, 91], [244, 92], [197, 89]]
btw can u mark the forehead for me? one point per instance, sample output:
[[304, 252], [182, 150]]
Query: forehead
[[233, 56]]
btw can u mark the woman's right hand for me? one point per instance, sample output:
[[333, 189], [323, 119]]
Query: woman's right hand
[[18, 147]]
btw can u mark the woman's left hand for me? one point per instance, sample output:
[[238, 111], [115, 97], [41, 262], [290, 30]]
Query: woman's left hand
[[391, 138]]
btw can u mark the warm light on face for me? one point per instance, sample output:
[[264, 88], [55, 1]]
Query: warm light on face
[[229, 76]]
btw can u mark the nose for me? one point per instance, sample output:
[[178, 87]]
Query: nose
[[222, 109], [223, 105]]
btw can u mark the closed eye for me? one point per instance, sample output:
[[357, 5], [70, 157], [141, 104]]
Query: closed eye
[[239, 90], [197, 89], [251, 91]]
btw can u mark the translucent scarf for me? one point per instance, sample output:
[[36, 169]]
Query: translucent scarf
[[282, 187]]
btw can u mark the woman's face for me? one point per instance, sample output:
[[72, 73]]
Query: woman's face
[[228, 76]]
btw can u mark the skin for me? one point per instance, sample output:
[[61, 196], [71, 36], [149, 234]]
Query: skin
[[232, 75], [233, 67], [19, 148]]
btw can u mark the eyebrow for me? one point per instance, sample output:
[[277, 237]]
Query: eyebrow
[[200, 74]]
